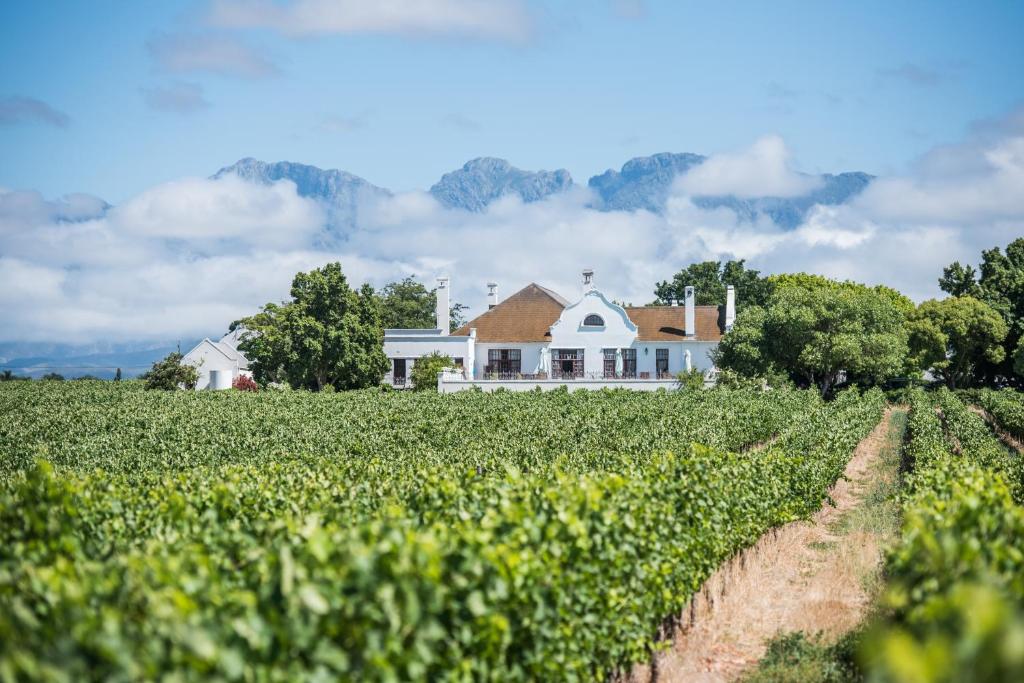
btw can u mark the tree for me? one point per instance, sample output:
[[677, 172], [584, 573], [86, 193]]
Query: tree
[[9, 376], [955, 336], [171, 374], [425, 369], [818, 336], [709, 280], [117, 375], [53, 377], [1018, 359], [1000, 284], [328, 334], [409, 305]]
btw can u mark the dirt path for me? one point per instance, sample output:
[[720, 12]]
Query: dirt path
[[811, 576]]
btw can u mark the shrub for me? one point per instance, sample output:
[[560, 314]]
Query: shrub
[[245, 383], [425, 369], [170, 374]]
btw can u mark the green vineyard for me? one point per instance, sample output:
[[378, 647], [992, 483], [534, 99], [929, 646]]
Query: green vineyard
[[370, 536]]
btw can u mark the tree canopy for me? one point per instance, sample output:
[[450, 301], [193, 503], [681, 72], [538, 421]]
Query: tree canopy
[[170, 374], [408, 304], [328, 335], [956, 335], [709, 280], [1000, 285], [818, 335]]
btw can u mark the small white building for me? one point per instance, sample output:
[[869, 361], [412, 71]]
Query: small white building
[[219, 362], [537, 338]]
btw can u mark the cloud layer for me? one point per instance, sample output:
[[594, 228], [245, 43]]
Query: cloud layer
[[185, 258], [481, 19]]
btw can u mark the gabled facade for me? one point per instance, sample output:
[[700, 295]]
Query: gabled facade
[[219, 362], [538, 338]]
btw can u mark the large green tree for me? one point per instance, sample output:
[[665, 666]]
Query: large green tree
[[709, 280], [817, 336], [170, 374], [955, 336], [409, 305], [328, 334], [999, 283]]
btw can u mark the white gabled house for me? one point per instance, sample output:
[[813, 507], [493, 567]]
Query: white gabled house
[[220, 362], [536, 338]]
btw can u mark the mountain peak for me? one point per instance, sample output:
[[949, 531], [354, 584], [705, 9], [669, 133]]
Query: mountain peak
[[485, 179]]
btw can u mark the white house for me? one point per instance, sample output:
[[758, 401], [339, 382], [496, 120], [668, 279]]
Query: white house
[[537, 338], [219, 362]]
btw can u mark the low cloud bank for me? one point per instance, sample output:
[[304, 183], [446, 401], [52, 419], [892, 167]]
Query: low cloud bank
[[185, 258]]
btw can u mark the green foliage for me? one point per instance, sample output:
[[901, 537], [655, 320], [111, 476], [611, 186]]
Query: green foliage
[[709, 280], [691, 380], [117, 375], [328, 334], [798, 658], [171, 374], [1018, 359], [1001, 286], [9, 376], [425, 369], [1007, 407], [385, 536], [955, 336], [815, 335], [955, 603], [52, 377], [409, 305]]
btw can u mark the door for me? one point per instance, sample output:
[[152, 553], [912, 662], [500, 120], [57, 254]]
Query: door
[[398, 375]]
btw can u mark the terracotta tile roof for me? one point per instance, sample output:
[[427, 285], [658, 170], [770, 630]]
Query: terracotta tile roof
[[668, 323], [526, 316]]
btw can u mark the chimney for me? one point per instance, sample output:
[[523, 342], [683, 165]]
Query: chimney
[[443, 303], [588, 280], [691, 327], [492, 295], [730, 307]]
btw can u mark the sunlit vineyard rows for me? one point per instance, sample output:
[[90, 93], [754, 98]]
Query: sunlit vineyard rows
[[954, 609], [383, 536]]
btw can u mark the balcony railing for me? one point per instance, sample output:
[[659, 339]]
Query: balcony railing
[[571, 376]]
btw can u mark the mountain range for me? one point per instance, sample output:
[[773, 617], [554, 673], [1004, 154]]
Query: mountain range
[[642, 183]]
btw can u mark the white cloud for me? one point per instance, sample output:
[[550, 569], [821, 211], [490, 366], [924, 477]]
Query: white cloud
[[763, 170], [486, 19], [183, 259], [208, 53]]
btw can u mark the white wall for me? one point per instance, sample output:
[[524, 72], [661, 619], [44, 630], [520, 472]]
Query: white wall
[[412, 344], [700, 355], [206, 357], [568, 332], [449, 384]]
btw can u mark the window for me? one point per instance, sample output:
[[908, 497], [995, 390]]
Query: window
[[458, 362], [661, 362], [504, 361], [593, 320], [629, 362], [566, 363], [609, 362]]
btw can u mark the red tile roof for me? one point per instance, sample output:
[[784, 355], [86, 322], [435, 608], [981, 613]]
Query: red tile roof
[[528, 315]]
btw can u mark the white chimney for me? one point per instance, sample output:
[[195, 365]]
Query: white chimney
[[588, 280], [691, 327], [443, 303], [492, 295], [730, 307]]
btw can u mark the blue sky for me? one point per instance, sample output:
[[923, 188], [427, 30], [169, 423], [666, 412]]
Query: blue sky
[[136, 104], [585, 86]]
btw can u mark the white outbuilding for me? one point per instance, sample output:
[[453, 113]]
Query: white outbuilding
[[220, 362]]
